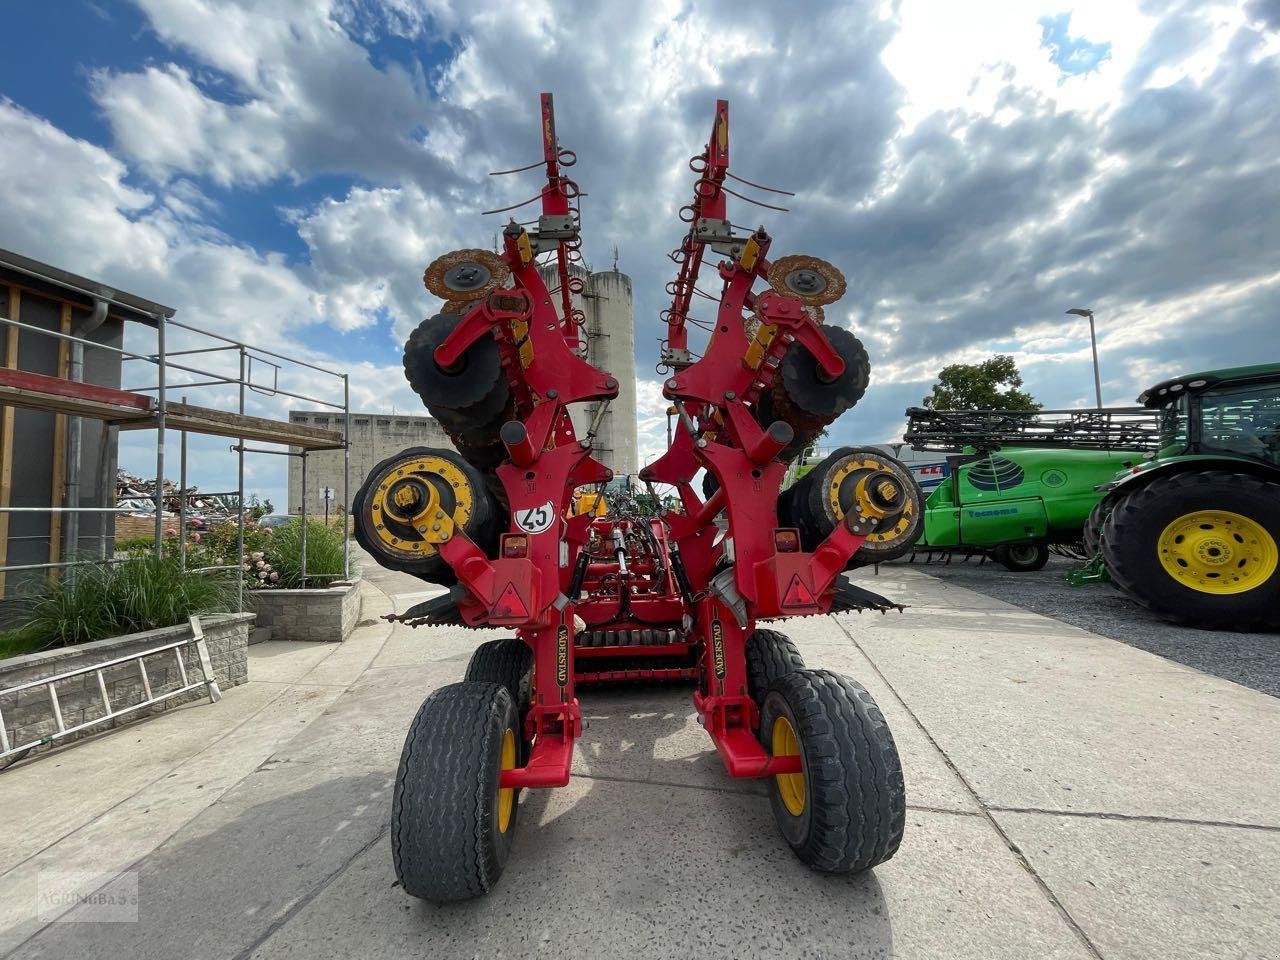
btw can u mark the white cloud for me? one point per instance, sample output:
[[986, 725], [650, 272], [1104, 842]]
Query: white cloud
[[970, 191]]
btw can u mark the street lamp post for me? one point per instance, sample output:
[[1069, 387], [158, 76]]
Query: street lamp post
[[1093, 340]]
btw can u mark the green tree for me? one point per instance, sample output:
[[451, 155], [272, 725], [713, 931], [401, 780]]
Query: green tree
[[990, 385]]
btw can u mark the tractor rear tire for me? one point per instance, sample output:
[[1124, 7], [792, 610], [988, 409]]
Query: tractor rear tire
[[1022, 557], [1228, 563], [1091, 534], [770, 655], [451, 825], [846, 811], [508, 661]]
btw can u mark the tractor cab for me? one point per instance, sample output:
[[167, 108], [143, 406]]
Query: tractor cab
[[1233, 413]]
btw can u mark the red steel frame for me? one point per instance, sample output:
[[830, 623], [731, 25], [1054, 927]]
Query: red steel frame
[[533, 589]]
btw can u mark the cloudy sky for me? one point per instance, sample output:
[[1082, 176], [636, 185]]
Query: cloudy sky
[[281, 171]]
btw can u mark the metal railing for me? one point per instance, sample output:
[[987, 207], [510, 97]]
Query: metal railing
[[245, 357]]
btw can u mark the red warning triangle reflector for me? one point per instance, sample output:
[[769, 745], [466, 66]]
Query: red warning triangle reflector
[[798, 595], [509, 605]]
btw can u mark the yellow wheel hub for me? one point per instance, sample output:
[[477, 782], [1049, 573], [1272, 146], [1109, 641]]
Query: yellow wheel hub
[[855, 464], [785, 743], [507, 795], [1217, 551], [410, 508]]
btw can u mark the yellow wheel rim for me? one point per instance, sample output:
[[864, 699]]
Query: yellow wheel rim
[[790, 785], [885, 535], [1217, 551], [407, 513], [507, 795]]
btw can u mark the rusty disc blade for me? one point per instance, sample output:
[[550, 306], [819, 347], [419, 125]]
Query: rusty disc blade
[[813, 281], [465, 274], [458, 307]]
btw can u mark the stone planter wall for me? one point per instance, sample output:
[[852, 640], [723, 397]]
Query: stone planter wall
[[325, 615], [29, 715]]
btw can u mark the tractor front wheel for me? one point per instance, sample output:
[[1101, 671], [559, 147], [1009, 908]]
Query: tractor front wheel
[[846, 810], [1200, 548], [451, 823]]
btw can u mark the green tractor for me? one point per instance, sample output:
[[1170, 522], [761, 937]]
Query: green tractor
[[1191, 532], [1026, 481]]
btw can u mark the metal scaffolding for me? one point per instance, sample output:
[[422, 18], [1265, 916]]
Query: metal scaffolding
[[149, 407]]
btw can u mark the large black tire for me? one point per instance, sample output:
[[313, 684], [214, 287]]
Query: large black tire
[[800, 396], [474, 393], [807, 505], [446, 837], [1091, 534], [1134, 554], [485, 525], [854, 802], [508, 661], [1022, 557], [770, 655]]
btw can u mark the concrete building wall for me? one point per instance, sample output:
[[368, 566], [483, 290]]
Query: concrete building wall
[[374, 437]]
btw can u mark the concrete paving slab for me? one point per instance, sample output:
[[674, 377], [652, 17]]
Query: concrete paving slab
[[905, 584], [1251, 659], [286, 661], [127, 832], [1066, 720], [49, 797], [344, 665], [364, 729], [649, 733], [228, 876], [1175, 890], [603, 870], [930, 780], [408, 645]]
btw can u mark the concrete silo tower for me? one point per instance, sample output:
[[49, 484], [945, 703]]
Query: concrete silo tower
[[611, 346], [609, 336]]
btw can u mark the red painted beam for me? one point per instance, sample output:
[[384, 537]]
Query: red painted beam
[[59, 387], [744, 756], [548, 765]]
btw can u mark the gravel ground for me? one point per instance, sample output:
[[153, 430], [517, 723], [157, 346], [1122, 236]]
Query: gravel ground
[[1251, 659]]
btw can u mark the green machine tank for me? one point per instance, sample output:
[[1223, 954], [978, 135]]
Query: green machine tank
[[1023, 481], [1193, 532]]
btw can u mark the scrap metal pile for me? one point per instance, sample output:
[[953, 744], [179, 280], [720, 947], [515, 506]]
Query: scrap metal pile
[[628, 595], [140, 493]]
